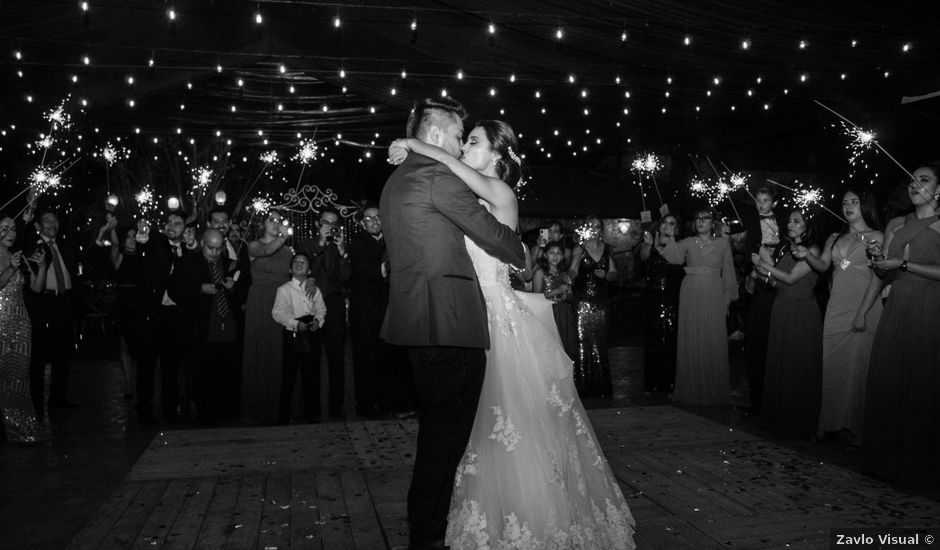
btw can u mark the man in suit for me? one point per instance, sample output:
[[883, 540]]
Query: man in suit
[[52, 312], [765, 228], [157, 255], [436, 306], [367, 301], [330, 269], [202, 286]]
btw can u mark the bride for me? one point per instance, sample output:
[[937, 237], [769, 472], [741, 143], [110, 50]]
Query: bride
[[533, 475]]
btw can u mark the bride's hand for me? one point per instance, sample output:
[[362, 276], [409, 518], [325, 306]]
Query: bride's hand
[[398, 151]]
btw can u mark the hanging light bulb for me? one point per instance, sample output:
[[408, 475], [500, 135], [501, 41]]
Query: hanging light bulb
[[258, 18], [171, 14], [491, 28], [173, 203], [559, 33], [687, 40], [220, 197], [337, 22], [745, 44]]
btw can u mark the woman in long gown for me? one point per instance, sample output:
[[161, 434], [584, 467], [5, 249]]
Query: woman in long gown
[[793, 380], [851, 317], [661, 329], [591, 270], [533, 475], [19, 418], [703, 375], [902, 406], [261, 365]]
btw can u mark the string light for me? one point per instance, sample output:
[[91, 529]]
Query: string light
[[414, 24], [459, 74], [84, 6], [404, 74], [18, 55], [491, 29], [337, 22], [687, 40], [623, 36], [171, 14], [560, 33], [745, 44], [906, 47], [86, 60], [512, 77], [803, 44]]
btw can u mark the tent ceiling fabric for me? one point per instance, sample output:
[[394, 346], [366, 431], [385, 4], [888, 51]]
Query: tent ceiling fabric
[[375, 43]]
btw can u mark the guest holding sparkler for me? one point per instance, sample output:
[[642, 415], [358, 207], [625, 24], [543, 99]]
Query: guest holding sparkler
[[709, 286], [19, 420], [903, 392], [763, 233], [591, 270], [792, 382], [851, 316], [261, 363], [661, 330]]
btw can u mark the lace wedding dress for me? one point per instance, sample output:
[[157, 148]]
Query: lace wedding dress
[[533, 475]]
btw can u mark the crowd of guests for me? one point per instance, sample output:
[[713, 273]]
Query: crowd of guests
[[233, 323], [861, 365]]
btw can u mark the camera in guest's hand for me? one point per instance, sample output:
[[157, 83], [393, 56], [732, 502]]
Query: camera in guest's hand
[[335, 231]]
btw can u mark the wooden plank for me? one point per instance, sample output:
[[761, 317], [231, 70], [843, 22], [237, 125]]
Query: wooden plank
[[192, 514], [389, 492], [275, 513], [100, 526], [403, 441], [366, 530], [305, 524], [157, 527], [336, 531], [218, 522], [246, 517], [135, 516], [382, 443]]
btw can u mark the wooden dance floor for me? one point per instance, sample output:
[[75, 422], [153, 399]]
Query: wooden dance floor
[[691, 483]]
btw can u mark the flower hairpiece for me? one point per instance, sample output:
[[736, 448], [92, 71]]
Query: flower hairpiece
[[514, 157]]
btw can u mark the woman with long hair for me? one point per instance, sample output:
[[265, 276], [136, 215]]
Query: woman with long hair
[[531, 440], [703, 375], [903, 393], [261, 363], [552, 280], [661, 329], [20, 422], [793, 379], [592, 269], [852, 315]]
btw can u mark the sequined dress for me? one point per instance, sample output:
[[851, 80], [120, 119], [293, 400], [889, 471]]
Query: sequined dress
[[19, 418], [591, 299], [533, 475], [661, 330]]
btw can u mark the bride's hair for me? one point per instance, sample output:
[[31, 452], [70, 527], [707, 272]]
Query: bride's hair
[[503, 142]]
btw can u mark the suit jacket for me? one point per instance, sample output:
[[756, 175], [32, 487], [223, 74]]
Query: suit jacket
[[185, 288], [751, 222], [66, 249], [369, 289], [434, 295], [153, 263]]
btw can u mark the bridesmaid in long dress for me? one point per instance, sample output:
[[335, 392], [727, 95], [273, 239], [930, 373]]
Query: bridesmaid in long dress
[[661, 329], [591, 269], [703, 375], [902, 408], [851, 316], [19, 418], [793, 380], [261, 366]]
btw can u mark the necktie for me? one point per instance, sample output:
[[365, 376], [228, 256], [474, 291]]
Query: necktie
[[221, 304], [58, 274]]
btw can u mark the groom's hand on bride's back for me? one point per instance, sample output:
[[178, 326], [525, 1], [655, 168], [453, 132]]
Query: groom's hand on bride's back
[[397, 152]]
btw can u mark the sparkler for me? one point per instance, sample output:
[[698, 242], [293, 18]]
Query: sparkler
[[307, 152], [586, 232], [202, 177], [44, 180], [145, 201], [59, 117], [863, 140], [647, 164]]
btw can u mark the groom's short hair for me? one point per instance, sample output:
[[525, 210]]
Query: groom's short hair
[[433, 112]]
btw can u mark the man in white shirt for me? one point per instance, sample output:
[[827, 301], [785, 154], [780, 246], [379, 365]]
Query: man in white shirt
[[301, 317]]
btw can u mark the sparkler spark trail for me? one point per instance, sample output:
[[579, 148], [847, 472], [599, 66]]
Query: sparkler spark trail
[[45, 143], [112, 153], [864, 137], [648, 163], [586, 232], [59, 117], [145, 201], [44, 180], [307, 152], [260, 206], [202, 177], [269, 157]]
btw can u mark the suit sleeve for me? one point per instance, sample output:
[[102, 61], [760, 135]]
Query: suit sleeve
[[184, 286], [454, 200]]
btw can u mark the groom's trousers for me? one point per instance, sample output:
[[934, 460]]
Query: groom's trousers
[[448, 382]]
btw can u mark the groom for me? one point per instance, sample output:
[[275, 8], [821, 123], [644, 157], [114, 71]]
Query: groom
[[436, 307]]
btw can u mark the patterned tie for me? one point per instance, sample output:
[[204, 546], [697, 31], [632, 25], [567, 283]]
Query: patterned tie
[[58, 274], [221, 304]]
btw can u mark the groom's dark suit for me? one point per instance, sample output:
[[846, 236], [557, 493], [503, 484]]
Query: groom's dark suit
[[437, 309]]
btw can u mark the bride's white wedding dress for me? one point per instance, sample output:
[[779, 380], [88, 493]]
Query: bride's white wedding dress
[[533, 475]]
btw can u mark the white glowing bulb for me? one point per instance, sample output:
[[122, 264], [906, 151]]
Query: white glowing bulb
[[86, 60], [584, 93], [538, 94], [750, 93], [291, 89], [623, 36], [443, 92], [559, 34], [342, 73], [282, 68], [18, 55], [337, 22], [571, 78], [843, 76], [240, 82], [627, 94], [131, 102], [280, 106], [512, 77], [906, 47], [854, 43], [394, 91], [617, 79], [804, 77], [74, 78], [258, 18], [459, 75], [218, 68], [404, 74], [414, 24], [84, 6], [687, 40], [803, 44], [492, 92], [325, 108], [173, 203], [759, 79], [171, 13], [130, 80], [492, 28], [745, 44], [233, 108], [716, 80], [182, 106]]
